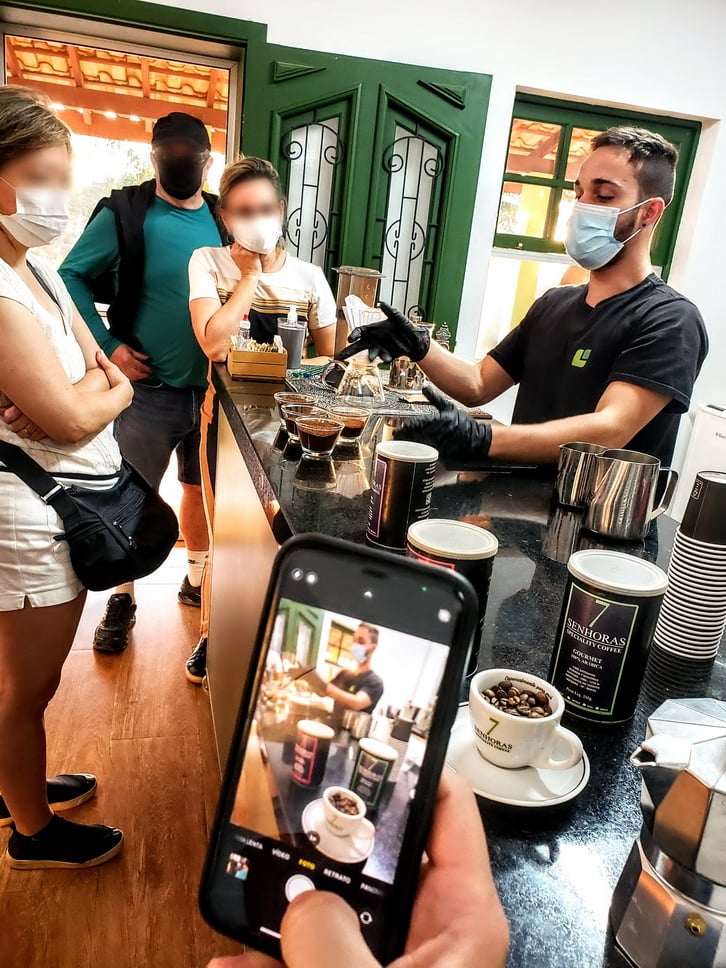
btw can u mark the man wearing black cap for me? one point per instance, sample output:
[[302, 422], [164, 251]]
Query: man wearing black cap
[[134, 255]]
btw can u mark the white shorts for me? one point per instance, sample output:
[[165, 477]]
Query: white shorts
[[33, 565]]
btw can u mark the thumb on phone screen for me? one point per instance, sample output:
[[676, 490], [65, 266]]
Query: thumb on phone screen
[[320, 930]]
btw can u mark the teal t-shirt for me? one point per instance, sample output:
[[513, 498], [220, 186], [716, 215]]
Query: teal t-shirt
[[163, 326]]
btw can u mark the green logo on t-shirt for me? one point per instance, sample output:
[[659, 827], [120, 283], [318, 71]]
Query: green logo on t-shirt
[[580, 358]]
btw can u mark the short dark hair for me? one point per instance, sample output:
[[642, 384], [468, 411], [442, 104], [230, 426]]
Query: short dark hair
[[372, 631], [654, 158]]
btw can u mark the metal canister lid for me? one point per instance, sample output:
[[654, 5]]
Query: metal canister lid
[[374, 747], [407, 450], [614, 571], [454, 539]]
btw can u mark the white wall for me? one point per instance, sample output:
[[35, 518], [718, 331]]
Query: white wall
[[662, 56]]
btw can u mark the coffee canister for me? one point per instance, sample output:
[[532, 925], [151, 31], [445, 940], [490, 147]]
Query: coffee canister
[[311, 752], [298, 709], [606, 626], [462, 547], [401, 486], [372, 768]]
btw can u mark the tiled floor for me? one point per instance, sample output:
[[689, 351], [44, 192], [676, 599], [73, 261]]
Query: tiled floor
[[134, 721]]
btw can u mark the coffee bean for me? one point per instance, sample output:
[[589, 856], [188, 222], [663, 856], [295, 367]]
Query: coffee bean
[[509, 699]]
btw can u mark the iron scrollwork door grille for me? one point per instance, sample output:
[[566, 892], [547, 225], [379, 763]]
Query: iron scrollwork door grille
[[415, 164], [312, 150]]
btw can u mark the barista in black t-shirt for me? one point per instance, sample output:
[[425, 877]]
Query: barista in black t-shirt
[[612, 362], [362, 689]]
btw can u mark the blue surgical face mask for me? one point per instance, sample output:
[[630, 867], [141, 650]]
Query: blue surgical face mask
[[590, 239], [359, 653]]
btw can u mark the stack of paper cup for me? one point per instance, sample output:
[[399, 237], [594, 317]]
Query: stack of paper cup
[[693, 615]]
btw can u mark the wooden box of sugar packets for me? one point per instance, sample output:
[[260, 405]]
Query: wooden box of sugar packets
[[252, 364]]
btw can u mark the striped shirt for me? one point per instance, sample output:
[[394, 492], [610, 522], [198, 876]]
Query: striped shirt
[[213, 275]]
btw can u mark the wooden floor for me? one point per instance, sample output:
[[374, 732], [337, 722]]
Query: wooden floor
[[134, 721]]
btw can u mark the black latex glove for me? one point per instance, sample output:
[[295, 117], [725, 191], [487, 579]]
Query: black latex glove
[[393, 337], [455, 434]]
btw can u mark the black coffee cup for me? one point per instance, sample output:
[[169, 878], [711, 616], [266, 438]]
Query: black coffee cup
[[705, 516]]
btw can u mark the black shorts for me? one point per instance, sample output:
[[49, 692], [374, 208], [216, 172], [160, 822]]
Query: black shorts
[[160, 421]]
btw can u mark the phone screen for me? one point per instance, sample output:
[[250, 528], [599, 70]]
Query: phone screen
[[348, 685]]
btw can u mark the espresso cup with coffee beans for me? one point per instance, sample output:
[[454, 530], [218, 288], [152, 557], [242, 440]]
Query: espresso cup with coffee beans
[[344, 811], [516, 721]]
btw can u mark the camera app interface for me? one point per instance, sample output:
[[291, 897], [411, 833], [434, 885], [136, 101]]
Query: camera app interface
[[339, 736]]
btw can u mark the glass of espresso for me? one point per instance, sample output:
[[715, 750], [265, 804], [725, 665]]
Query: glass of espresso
[[291, 414], [318, 435], [354, 420], [286, 399]]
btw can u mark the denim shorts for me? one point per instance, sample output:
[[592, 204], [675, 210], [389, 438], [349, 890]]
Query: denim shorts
[[160, 421]]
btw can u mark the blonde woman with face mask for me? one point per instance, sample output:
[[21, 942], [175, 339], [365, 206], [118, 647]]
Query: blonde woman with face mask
[[253, 277], [58, 397]]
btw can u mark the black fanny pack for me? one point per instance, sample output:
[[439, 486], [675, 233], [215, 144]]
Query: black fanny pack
[[114, 535]]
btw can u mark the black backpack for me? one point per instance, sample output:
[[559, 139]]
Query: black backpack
[[120, 288]]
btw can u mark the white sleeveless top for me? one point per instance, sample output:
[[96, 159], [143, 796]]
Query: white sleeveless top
[[95, 456]]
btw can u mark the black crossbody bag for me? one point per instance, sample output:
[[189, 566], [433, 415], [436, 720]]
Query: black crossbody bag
[[115, 535]]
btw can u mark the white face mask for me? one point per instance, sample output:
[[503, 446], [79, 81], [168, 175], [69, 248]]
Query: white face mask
[[40, 217], [259, 234], [590, 239]]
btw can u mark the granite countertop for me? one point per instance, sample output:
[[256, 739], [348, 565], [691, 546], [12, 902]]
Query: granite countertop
[[555, 868]]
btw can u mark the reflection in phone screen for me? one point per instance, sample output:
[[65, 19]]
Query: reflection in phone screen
[[327, 780]]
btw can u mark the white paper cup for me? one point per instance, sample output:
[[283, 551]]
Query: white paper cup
[[516, 741]]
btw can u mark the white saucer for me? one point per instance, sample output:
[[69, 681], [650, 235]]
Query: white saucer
[[528, 787], [345, 850]]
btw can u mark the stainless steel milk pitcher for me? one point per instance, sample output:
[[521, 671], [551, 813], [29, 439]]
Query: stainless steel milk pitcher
[[622, 494]]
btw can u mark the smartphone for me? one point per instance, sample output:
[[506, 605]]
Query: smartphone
[[340, 741]]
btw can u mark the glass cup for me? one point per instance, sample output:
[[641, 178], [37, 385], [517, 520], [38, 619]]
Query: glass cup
[[287, 399], [354, 420], [318, 436], [292, 412]]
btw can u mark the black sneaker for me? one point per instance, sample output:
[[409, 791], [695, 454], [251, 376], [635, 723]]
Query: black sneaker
[[112, 634], [190, 594], [65, 791], [196, 666], [63, 844]]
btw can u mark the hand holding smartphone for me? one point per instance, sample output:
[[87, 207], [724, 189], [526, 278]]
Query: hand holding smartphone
[[457, 917], [335, 792]]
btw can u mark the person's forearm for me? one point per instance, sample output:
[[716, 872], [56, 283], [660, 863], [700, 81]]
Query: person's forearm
[[225, 322], [82, 296], [343, 698], [94, 381], [94, 410], [460, 379], [324, 340], [540, 443]]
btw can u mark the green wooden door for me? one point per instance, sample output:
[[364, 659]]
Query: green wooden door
[[380, 163]]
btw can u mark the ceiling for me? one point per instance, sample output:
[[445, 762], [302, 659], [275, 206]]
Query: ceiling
[[116, 95]]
